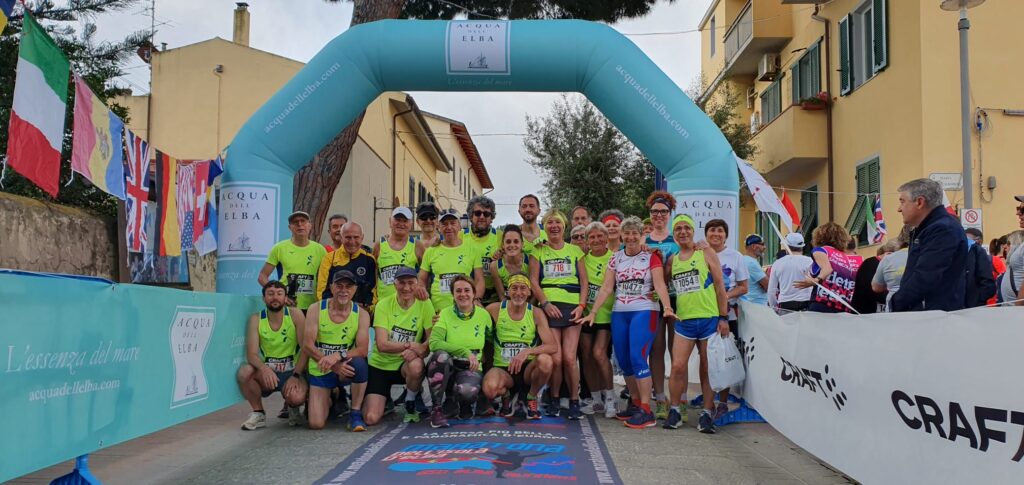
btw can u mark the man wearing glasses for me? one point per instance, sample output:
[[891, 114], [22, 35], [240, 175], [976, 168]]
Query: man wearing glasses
[[484, 238], [426, 217]]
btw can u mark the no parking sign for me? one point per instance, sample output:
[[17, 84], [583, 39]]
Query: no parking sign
[[971, 218]]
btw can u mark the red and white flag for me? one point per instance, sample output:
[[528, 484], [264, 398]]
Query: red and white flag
[[764, 194]]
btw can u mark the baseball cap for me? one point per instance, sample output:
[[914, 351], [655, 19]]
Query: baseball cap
[[405, 272], [426, 208], [402, 211], [1020, 198], [295, 214], [343, 275], [448, 213], [754, 239], [795, 240]]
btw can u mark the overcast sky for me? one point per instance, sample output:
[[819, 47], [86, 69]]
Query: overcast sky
[[298, 29]]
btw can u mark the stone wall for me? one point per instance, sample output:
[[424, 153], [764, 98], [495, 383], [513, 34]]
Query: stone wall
[[47, 237]]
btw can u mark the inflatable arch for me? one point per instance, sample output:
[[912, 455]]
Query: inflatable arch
[[460, 55]]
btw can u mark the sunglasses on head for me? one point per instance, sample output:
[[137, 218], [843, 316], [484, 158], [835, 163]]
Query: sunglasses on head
[[483, 213]]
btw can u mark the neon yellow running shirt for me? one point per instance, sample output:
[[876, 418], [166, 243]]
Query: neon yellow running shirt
[[388, 262], [404, 326], [559, 275], [332, 337], [444, 263], [694, 287], [279, 347], [512, 336], [596, 266]]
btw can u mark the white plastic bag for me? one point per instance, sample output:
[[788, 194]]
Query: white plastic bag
[[725, 365]]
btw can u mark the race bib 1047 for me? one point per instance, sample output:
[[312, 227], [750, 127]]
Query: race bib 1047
[[630, 288]]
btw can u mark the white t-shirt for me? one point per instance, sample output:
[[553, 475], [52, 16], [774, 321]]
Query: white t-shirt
[[786, 271], [734, 270], [634, 281], [1014, 261]]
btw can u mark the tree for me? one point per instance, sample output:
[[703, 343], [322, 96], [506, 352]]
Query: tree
[[99, 63], [586, 160], [314, 184], [722, 106]]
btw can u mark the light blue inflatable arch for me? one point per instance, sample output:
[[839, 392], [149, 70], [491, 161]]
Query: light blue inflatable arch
[[408, 55]]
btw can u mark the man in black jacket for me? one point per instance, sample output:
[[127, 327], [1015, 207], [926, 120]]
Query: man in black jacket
[[934, 277], [979, 283]]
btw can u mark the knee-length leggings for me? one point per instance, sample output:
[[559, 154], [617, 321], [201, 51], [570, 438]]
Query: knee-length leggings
[[443, 377], [632, 337]]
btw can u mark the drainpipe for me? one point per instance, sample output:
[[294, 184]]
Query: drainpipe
[[829, 161], [394, 169]]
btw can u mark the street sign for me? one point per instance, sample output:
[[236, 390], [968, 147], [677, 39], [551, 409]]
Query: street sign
[[971, 218], [949, 180]]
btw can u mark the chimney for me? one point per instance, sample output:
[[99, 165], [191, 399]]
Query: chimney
[[241, 30]]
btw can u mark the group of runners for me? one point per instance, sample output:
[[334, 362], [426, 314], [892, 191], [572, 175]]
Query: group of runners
[[521, 319]]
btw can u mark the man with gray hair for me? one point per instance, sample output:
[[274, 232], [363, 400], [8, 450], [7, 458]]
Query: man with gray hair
[[936, 261], [484, 238]]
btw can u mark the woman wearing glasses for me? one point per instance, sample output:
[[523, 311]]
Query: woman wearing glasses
[[660, 205]]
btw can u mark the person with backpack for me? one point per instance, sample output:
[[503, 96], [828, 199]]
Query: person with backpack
[[979, 283]]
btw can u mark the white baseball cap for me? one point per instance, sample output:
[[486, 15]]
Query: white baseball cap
[[402, 211], [795, 240]]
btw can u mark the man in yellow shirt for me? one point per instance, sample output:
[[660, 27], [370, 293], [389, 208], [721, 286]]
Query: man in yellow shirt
[[296, 260]]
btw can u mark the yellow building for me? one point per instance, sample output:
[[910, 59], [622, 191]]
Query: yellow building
[[202, 94], [890, 69]]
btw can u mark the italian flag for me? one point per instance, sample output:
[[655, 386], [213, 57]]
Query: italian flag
[[36, 132]]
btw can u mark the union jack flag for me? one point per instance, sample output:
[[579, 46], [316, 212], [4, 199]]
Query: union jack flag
[[875, 222], [137, 191]]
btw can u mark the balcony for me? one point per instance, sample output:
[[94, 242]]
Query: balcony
[[791, 145], [763, 26]]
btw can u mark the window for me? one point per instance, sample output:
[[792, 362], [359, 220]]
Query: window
[[767, 232], [453, 170], [771, 102], [461, 191], [808, 216], [806, 74], [863, 44], [712, 43], [868, 182], [422, 193], [412, 191]]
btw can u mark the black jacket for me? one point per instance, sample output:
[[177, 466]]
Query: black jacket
[[979, 285], [934, 276]]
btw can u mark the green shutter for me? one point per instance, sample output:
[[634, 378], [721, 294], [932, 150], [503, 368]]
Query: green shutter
[[874, 183], [880, 34], [855, 222], [815, 69], [795, 71], [845, 60], [808, 211]]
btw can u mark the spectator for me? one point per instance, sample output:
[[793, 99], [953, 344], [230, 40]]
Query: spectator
[[886, 279], [979, 284], [833, 272], [997, 249], [334, 224], [580, 216], [787, 271], [756, 291], [1011, 285], [936, 260], [865, 300]]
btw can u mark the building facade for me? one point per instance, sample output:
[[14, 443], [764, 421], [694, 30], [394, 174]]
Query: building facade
[[203, 93], [888, 71]]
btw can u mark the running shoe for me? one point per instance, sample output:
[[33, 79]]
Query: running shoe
[[592, 407], [340, 405], [507, 409], [283, 413], [466, 410], [721, 410], [624, 394], [575, 414], [627, 413], [355, 421], [389, 406], [661, 410], [642, 419], [553, 409], [532, 409], [706, 423], [411, 415], [674, 420], [685, 414], [487, 408], [294, 416], [610, 409], [256, 420], [451, 408], [563, 403], [421, 407], [437, 418]]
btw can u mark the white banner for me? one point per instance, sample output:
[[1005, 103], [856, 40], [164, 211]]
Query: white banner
[[703, 205], [247, 213], [929, 397]]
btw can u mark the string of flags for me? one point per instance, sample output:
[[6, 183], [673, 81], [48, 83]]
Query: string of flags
[[105, 152]]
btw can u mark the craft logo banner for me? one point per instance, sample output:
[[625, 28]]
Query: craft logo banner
[[248, 220], [191, 330], [893, 398], [477, 47], [89, 364], [482, 451], [705, 205]]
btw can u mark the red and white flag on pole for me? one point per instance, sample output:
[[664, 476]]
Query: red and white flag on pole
[[764, 194]]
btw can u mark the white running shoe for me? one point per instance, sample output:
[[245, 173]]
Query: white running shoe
[[294, 416], [256, 420], [610, 408], [592, 407]]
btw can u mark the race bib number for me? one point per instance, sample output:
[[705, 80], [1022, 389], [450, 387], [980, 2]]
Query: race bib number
[[558, 268], [592, 291], [283, 364], [402, 336], [446, 282], [331, 349], [509, 351], [686, 282], [487, 266], [304, 284], [630, 288], [387, 274]]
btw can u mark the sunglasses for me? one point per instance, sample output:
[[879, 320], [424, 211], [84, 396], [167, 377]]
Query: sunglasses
[[576, 237], [483, 213], [660, 212], [427, 218], [1020, 210]]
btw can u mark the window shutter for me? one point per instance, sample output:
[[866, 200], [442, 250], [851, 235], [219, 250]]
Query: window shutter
[[880, 34], [795, 71], [815, 69], [845, 64], [874, 183], [855, 222]]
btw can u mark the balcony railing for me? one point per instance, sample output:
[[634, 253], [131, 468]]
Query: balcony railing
[[739, 32]]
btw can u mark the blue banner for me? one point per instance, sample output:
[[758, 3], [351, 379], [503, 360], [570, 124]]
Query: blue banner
[[89, 364]]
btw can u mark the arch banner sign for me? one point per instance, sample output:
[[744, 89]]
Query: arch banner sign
[[462, 55]]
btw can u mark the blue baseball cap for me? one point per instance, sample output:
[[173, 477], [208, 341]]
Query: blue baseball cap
[[405, 272], [754, 239]]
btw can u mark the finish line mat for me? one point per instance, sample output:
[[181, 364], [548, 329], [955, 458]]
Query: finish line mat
[[480, 451]]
